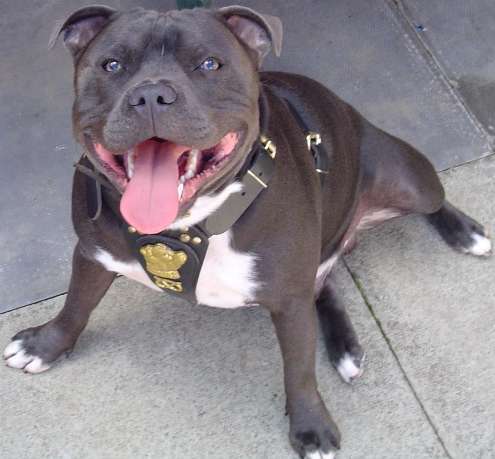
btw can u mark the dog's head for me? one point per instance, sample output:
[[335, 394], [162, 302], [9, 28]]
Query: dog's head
[[166, 104]]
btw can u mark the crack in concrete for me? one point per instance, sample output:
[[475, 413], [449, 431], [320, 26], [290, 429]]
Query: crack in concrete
[[360, 288], [401, 12], [17, 308]]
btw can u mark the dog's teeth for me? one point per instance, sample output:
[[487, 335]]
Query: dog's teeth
[[130, 164], [192, 164], [180, 188]]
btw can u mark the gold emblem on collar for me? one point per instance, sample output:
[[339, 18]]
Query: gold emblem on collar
[[164, 263]]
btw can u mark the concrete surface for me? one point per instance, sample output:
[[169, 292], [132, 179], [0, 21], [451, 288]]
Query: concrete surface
[[365, 51], [159, 379], [152, 377], [436, 309], [155, 378], [460, 34]]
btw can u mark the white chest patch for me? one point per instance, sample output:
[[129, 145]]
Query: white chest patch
[[228, 277], [132, 270], [205, 206]]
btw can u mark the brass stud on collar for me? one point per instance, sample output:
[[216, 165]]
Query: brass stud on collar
[[196, 240], [185, 229], [269, 146], [185, 238]]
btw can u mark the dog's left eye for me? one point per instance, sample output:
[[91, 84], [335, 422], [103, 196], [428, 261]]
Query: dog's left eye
[[112, 66], [210, 64]]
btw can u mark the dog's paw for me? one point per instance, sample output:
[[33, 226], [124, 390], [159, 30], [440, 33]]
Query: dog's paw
[[461, 232], [470, 238], [16, 356], [34, 350], [319, 442], [314, 434], [347, 356], [479, 244], [320, 455], [350, 366]]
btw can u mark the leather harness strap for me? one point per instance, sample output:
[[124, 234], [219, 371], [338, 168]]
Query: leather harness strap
[[173, 258], [313, 141]]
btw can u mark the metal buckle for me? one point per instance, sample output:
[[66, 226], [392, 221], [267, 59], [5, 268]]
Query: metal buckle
[[313, 138], [269, 146]]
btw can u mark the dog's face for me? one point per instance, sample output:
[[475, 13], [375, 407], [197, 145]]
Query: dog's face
[[167, 103]]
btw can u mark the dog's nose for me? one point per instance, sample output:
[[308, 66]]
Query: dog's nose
[[154, 96]]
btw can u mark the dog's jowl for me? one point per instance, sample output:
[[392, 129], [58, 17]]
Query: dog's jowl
[[206, 179]]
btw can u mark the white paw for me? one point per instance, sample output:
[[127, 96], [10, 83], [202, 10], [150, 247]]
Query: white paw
[[320, 455], [348, 369], [481, 245], [16, 357]]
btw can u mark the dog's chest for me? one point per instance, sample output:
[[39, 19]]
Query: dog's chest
[[227, 278]]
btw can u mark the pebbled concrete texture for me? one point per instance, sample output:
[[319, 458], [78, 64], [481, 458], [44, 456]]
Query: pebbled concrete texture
[[436, 308], [162, 379]]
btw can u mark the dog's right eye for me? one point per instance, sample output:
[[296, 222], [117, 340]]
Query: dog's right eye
[[112, 66]]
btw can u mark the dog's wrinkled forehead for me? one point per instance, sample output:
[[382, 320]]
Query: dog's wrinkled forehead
[[155, 37], [172, 30]]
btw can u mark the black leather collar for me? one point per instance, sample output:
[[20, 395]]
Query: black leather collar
[[173, 258]]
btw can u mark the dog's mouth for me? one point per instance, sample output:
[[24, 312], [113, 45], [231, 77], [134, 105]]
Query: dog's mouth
[[158, 176]]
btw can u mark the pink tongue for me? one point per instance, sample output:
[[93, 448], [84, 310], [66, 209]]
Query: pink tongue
[[150, 201]]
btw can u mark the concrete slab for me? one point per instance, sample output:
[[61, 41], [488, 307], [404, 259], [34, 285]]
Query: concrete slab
[[37, 151], [363, 52], [358, 48], [460, 35], [157, 380], [436, 307]]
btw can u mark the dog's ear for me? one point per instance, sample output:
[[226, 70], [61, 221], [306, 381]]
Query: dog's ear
[[81, 27], [259, 32]]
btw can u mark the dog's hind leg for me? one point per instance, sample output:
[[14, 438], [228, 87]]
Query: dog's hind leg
[[399, 177], [341, 341]]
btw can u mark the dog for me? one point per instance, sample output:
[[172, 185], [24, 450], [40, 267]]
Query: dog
[[208, 179]]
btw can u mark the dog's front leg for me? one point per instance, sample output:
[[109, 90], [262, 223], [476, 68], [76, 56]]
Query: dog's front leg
[[34, 349], [313, 433]]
